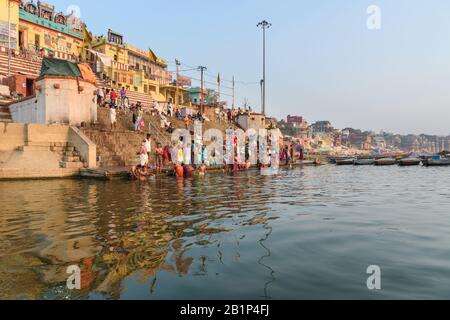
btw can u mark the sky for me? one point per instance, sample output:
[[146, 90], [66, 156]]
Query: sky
[[323, 62]]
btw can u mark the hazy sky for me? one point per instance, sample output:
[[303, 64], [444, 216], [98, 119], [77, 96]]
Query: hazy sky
[[322, 61]]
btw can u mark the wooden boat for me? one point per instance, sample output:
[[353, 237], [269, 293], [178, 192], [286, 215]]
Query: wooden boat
[[437, 162], [364, 162], [409, 162], [345, 162], [385, 162]]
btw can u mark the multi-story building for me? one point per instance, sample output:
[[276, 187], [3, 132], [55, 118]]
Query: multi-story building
[[297, 122], [321, 127], [39, 29]]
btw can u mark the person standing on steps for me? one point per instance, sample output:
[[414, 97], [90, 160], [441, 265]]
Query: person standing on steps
[[100, 96], [112, 116], [148, 145], [143, 156], [123, 96], [113, 96]]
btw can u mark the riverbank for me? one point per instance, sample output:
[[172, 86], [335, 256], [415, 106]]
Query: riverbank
[[114, 173]]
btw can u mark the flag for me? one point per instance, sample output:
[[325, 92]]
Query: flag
[[218, 78]]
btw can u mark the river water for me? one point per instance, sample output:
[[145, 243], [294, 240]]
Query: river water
[[306, 233]]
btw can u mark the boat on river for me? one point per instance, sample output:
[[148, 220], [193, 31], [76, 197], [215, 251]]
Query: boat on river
[[436, 161], [345, 162], [385, 162], [364, 162], [411, 161]]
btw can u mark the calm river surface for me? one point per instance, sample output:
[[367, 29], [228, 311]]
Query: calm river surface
[[304, 234]]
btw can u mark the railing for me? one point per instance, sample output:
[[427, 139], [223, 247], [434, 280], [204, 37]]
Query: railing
[[160, 136]]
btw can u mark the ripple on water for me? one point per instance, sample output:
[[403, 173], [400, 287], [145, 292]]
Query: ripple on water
[[305, 233]]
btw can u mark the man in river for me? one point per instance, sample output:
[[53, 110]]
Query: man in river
[[159, 153], [202, 169], [188, 170]]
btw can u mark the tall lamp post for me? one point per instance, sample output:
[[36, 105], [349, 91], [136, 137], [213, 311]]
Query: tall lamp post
[[264, 25], [9, 38]]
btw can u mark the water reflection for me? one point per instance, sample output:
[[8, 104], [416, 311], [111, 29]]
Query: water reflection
[[113, 229], [305, 233]]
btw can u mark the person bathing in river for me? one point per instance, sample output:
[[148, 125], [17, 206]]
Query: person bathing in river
[[188, 170], [179, 171], [159, 152], [202, 169], [140, 173]]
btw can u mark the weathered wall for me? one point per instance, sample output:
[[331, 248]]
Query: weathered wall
[[42, 135], [12, 136], [86, 148], [15, 135], [58, 100]]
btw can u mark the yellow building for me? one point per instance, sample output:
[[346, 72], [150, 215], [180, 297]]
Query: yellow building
[[38, 29], [12, 28], [124, 65]]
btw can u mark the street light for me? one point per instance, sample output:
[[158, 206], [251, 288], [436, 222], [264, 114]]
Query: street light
[[264, 25], [9, 38]]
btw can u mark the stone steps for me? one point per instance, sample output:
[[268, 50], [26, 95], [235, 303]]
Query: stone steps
[[20, 65]]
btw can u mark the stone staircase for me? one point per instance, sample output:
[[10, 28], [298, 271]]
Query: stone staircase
[[116, 148], [5, 114], [66, 152], [20, 65], [145, 99]]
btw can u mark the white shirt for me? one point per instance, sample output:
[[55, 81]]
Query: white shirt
[[148, 145]]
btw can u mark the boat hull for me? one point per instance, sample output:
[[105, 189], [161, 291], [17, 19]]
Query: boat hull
[[437, 163], [385, 162], [409, 162], [365, 162], [346, 162]]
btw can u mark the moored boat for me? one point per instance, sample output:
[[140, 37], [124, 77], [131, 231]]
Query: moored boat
[[345, 162], [409, 161], [437, 161], [385, 162], [364, 162]]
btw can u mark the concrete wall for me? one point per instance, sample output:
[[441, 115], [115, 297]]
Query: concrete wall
[[58, 100], [252, 121], [86, 148], [15, 135], [12, 136], [42, 135], [28, 111]]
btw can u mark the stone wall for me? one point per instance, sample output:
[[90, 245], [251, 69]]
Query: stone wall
[[12, 136], [25, 149]]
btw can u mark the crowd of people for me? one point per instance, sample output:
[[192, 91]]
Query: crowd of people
[[178, 157]]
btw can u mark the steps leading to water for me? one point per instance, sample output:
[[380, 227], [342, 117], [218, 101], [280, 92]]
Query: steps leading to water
[[5, 114]]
